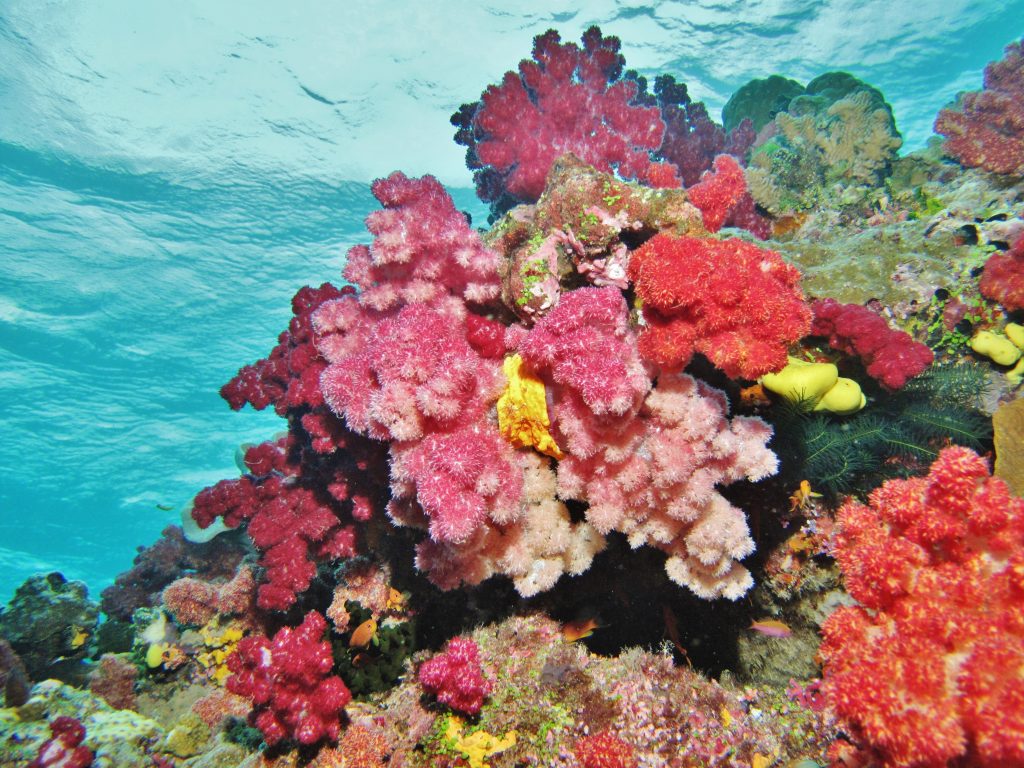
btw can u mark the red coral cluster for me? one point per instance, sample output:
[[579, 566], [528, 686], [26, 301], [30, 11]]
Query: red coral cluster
[[604, 750], [737, 304], [565, 99], [986, 128], [1003, 277], [456, 677], [195, 601], [718, 193], [890, 356], [926, 670], [64, 749], [113, 680], [288, 679]]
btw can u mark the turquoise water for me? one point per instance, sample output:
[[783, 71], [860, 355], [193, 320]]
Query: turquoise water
[[167, 181]]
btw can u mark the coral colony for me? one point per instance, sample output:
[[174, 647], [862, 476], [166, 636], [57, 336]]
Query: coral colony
[[605, 383]]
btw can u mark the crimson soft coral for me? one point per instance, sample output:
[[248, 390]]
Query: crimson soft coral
[[456, 677], [288, 679], [1003, 277], [739, 305], [925, 670], [985, 129], [890, 355], [566, 99], [64, 749]]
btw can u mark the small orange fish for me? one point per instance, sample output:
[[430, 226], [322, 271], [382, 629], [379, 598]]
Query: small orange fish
[[363, 634], [577, 630], [801, 497], [771, 627], [396, 600], [754, 396]]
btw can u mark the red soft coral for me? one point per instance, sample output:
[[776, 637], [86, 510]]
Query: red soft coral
[[986, 128], [604, 750], [890, 356], [456, 677], [64, 749], [719, 193], [737, 304], [564, 100], [1003, 277], [925, 670], [288, 679]]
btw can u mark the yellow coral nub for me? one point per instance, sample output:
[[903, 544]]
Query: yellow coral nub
[[817, 384], [479, 745], [999, 348], [523, 410]]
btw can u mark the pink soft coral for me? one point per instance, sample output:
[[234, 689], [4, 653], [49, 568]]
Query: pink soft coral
[[456, 677], [986, 128], [64, 749], [890, 355], [738, 304], [564, 100], [925, 670], [288, 679], [424, 251]]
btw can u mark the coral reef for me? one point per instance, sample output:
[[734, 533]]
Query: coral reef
[[1002, 279], [455, 676]]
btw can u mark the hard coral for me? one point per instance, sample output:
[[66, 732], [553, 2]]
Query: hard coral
[[925, 670], [1003, 277], [890, 355], [564, 100], [985, 129], [738, 304], [288, 679], [456, 677]]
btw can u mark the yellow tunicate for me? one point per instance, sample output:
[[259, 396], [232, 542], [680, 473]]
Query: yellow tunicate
[[995, 346], [523, 410], [1015, 333], [845, 397], [801, 381]]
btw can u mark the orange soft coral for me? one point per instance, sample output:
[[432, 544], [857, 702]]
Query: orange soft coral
[[737, 304], [929, 668]]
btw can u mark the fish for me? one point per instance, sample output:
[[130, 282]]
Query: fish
[[801, 497], [577, 630], [363, 634], [165, 507], [771, 627], [395, 601]]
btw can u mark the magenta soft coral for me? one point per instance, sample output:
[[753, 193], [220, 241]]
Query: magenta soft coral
[[288, 679], [456, 677], [290, 523], [566, 99], [290, 376], [986, 128], [739, 305], [890, 356], [924, 670]]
